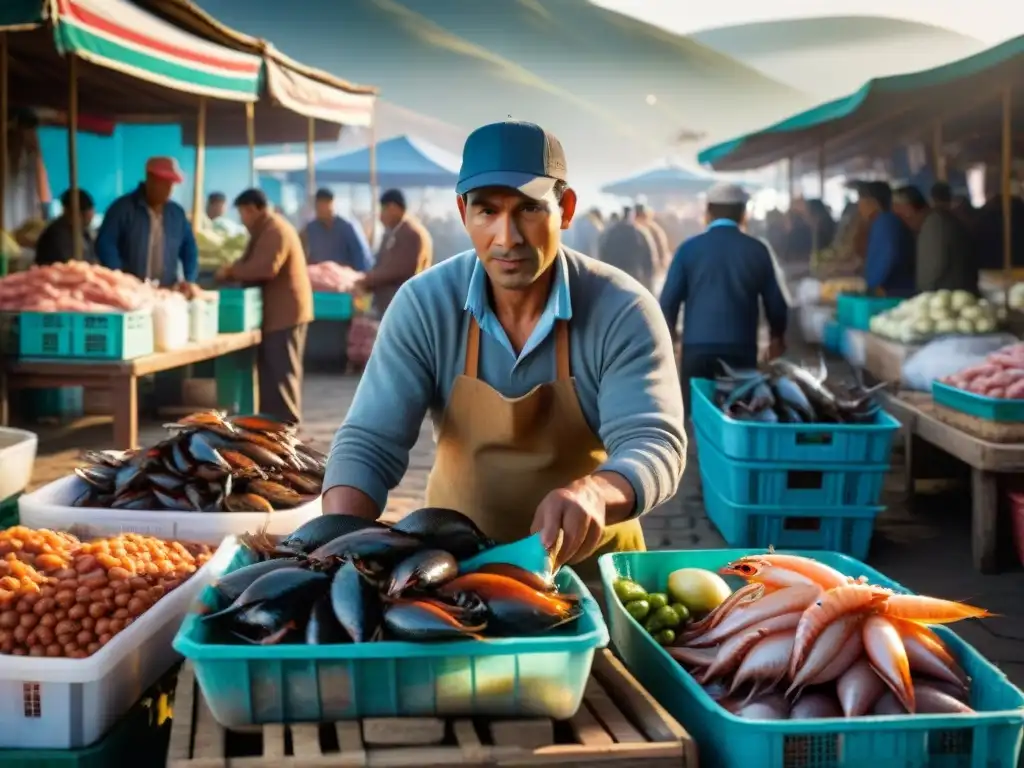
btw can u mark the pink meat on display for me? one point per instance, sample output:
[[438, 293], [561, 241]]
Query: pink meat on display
[[1000, 375], [74, 287], [331, 277]]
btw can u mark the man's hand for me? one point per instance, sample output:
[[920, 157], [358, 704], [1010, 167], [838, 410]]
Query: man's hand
[[776, 348], [576, 513], [223, 273]]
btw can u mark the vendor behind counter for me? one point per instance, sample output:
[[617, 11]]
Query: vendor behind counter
[[56, 245]]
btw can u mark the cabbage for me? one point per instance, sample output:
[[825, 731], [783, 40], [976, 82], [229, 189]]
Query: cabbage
[[941, 300], [924, 327], [965, 326], [937, 315], [984, 325], [971, 313], [961, 299], [946, 326]]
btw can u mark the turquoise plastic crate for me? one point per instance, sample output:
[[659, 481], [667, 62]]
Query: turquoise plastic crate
[[241, 309], [991, 738], [840, 529], [790, 484], [61, 403], [832, 338], [9, 322], [856, 311], [86, 335], [801, 443], [332, 306], [543, 676], [990, 408], [9, 512]]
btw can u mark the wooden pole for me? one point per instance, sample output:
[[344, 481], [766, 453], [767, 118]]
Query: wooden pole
[[76, 213], [939, 153], [250, 132], [373, 177], [199, 180], [821, 170], [311, 165], [4, 159], [1007, 166]]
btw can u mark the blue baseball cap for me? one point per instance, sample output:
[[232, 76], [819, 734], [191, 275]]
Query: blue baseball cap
[[522, 156]]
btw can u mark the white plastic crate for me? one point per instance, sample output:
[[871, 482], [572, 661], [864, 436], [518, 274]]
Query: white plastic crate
[[813, 319], [854, 346], [72, 703], [17, 455], [50, 507]]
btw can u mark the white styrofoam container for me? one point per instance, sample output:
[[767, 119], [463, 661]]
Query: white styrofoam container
[[71, 703], [854, 342], [813, 319], [17, 456], [50, 507]]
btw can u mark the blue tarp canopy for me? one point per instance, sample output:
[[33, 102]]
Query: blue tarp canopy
[[963, 95], [403, 161], [668, 180]]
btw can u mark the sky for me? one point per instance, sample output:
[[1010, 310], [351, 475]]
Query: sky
[[990, 21]]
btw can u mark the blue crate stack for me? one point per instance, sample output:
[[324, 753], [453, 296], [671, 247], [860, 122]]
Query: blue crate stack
[[792, 486]]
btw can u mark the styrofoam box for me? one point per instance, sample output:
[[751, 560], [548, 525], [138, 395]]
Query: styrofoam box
[[854, 342], [72, 703], [812, 322], [17, 455], [50, 507]]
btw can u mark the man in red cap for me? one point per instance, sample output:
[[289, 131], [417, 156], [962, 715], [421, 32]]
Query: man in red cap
[[147, 234]]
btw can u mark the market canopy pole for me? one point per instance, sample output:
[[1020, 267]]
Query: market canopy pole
[[821, 170], [250, 132], [4, 158], [1007, 165], [940, 155], [76, 213], [198, 181], [311, 165], [373, 175]]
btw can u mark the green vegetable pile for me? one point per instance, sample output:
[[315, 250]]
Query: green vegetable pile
[[690, 593]]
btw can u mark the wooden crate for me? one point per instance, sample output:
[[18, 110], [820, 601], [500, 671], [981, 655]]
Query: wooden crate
[[619, 724]]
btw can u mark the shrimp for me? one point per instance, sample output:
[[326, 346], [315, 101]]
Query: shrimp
[[852, 598], [757, 614], [888, 657], [780, 571], [927, 654], [930, 610], [748, 593]]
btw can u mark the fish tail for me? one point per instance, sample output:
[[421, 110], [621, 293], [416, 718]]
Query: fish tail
[[931, 610]]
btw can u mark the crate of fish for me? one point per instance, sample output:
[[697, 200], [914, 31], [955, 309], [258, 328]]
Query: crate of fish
[[825, 527], [213, 476], [86, 335], [790, 415], [781, 484], [854, 658], [853, 311], [241, 309], [332, 306], [425, 618]]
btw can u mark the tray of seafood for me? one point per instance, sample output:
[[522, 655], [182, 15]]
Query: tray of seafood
[[213, 476], [349, 618], [809, 658], [86, 627]]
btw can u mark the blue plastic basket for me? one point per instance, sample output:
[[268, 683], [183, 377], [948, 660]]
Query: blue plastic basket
[[840, 529], [241, 309], [991, 738], [790, 484], [800, 443], [332, 306], [990, 408], [832, 337], [855, 311], [86, 335], [543, 676]]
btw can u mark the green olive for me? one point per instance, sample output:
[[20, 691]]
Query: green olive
[[638, 609], [682, 611], [667, 618], [627, 591], [665, 637], [657, 600], [653, 625]]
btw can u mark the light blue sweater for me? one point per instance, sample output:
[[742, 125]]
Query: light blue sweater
[[620, 354]]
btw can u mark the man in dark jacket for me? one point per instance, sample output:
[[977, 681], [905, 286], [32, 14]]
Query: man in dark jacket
[[628, 246], [720, 278], [891, 250], [56, 245], [946, 256], [146, 234]]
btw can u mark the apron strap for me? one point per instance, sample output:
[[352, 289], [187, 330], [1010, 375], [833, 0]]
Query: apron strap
[[562, 367], [472, 348]]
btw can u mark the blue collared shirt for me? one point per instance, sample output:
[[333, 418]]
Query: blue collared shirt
[[558, 307], [342, 242], [123, 239]]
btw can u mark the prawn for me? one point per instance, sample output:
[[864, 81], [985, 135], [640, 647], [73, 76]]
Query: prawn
[[930, 610], [780, 571], [832, 605]]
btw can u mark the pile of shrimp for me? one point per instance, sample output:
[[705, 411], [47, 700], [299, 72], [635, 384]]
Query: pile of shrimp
[[76, 286], [801, 640]]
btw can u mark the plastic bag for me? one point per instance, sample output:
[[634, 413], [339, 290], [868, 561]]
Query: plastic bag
[[808, 291], [170, 323], [944, 357]]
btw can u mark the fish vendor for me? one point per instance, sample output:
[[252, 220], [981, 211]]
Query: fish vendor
[[548, 375], [721, 278], [331, 237], [890, 263], [146, 234]]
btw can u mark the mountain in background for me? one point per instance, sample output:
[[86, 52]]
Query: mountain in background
[[582, 71], [831, 56]]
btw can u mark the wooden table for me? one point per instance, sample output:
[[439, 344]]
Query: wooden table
[[618, 724], [234, 353], [987, 461], [884, 358]]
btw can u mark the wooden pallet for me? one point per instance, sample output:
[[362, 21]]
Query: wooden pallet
[[619, 724]]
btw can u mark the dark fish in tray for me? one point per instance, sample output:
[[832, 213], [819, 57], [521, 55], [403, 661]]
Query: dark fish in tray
[[320, 530], [422, 570], [422, 621], [445, 529], [356, 604]]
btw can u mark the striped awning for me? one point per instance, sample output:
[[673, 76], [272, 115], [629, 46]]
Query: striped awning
[[305, 96]]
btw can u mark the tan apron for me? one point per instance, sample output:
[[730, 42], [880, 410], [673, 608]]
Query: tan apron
[[497, 457]]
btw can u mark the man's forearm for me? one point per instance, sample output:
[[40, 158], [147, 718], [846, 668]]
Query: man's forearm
[[618, 496], [348, 500]]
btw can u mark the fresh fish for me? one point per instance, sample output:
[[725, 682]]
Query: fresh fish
[[320, 530], [776, 571], [849, 652], [692, 657], [767, 707], [423, 570], [748, 593], [422, 622], [356, 605], [529, 578], [753, 614], [859, 689], [931, 659], [852, 598], [930, 610], [830, 643], [731, 653], [766, 663], [231, 585], [445, 529], [931, 701], [813, 706], [280, 586], [888, 656], [323, 627]]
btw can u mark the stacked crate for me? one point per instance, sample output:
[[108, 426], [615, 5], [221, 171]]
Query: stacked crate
[[853, 319], [792, 486]]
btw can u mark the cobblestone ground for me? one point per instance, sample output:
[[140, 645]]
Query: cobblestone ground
[[927, 550]]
